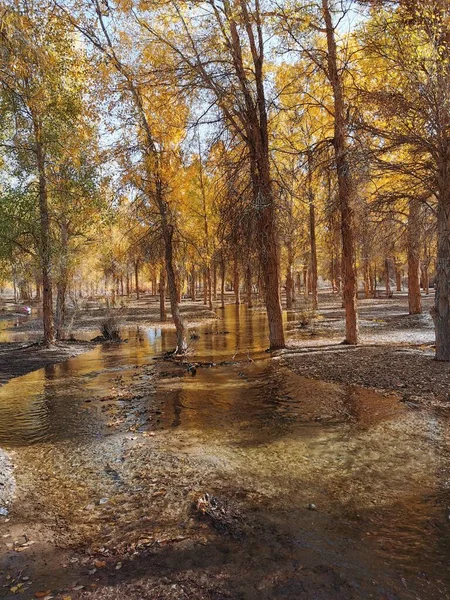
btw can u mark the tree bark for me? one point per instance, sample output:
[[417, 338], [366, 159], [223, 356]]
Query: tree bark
[[345, 184], [136, 277], [312, 238], [289, 277], [413, 235], [61, 287], [167, 231], [248, 286], [441, 309], [162, 295], [387, 273], [366, 274], [222, 282], [237, 295], [45, 243]]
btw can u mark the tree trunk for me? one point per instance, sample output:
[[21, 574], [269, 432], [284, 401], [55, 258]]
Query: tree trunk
[[398, 277], [388, 278], [345, 183], [45, 244], [366, 274], [205, 287], [222, 282], [237, 295], [413, 234], [289, 278], [214, 281], [61, 287], [209, 286], [248, 286], [136, 277], [192, 281], [441, 309], [167, 231], [162, 295], [312, 238]]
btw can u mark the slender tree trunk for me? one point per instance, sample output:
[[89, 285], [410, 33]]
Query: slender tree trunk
[[45, 244], [162, 294], [205, 287], [398, 276], [366, 274], [222, 282], [425, 278], [312, 237], [237, 296], [289, 278], [388, 277], [413, 234], [192, 284], [61, 287], [167, 231], [345, 183], [209, 286], [215, 281], [136, 277], [248, 286]]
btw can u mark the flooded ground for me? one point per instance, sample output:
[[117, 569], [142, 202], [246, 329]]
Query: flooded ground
[[328, 491]]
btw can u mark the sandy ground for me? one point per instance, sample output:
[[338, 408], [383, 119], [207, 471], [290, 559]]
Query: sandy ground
[[396, 351]]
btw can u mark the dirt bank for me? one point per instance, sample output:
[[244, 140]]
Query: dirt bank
[[18, 359], [396, 351]]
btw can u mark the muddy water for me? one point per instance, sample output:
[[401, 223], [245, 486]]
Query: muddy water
[[109, 437]]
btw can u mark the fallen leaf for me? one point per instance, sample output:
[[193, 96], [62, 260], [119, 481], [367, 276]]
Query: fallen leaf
[[42, 594], [100, 564]]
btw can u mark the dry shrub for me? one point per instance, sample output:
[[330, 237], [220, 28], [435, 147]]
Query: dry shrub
[[110, 328]]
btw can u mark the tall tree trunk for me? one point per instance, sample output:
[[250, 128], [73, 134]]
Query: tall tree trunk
[[312, 238], [205, 287], [222, 282], [167, 232], [162, 294], [366, 274], [441, 309], [237, 295], [289, 277], [192, 284], [45, 243], [209, 286], [345, 183], [61, 287], [413, 235], [214, 281], [136, 277], [248, 286], [387, 273], [398, 275]]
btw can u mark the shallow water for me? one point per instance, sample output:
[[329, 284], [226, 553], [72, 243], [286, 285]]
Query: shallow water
[[376, 470]]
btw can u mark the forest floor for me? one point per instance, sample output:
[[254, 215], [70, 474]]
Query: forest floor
[[116, 517], [28, 354], [396, 351]]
